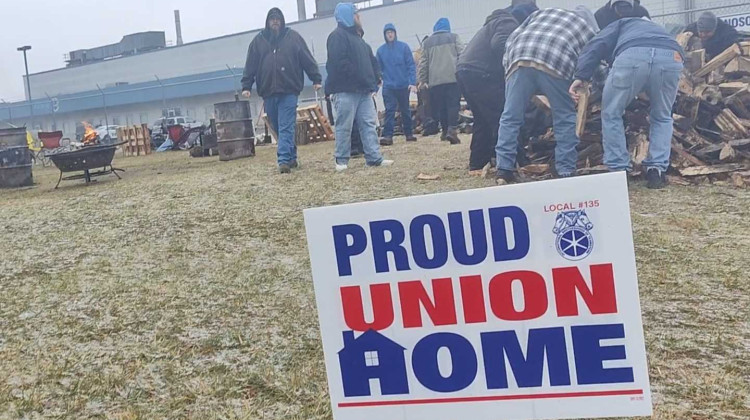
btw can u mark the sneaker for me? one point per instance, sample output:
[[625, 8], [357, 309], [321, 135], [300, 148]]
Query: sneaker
[[285, 168], [411, 138], [505, 177], [655, 179], [341, 168], [386, 162], [386, 141]]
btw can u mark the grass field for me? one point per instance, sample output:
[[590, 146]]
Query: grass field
[[184, 290]]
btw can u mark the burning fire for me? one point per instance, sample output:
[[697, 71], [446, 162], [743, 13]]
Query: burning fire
[[89, 137]]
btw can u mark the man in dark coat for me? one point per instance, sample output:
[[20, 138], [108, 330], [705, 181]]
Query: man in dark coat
[[715, 34], [481, 78], [276, 60], [352, 79], [617, 9]]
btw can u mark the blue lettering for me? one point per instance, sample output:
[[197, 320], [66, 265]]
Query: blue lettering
[[589, 354], [344, 251], [528, 370], [419, 245], [381, 247], [478, 237], [463, 359], [500, 242]]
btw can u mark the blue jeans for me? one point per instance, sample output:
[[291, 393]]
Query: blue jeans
[[282, 112], [397, 99], [520, 87], [359, 107], [657, 72]]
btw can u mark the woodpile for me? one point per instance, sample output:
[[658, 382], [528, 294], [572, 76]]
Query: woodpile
[[711, 142], [312, 126]]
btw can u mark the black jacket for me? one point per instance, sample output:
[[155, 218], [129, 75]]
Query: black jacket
[[276, 63], [351, 64], [607, 14], [724, 36], [485, 52]]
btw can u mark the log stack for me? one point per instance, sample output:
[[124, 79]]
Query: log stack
[[711, 142]]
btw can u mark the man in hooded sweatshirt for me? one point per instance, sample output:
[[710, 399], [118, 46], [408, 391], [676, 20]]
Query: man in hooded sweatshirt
[[437, 72], [276, 60], [715, 34], [399, 81], [615, 10], [352, 78], [645, 58], [481, 78], [541, 56]]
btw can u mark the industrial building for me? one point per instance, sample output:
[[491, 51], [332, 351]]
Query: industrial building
[[136, 80]]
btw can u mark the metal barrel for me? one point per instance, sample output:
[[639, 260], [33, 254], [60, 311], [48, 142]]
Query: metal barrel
[[234, 130], [15, 159]]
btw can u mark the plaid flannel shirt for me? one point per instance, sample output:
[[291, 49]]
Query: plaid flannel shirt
[[551, 37]]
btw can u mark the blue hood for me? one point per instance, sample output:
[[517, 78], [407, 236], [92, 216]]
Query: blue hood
[[344, 14], [390, 27], [442, 25]]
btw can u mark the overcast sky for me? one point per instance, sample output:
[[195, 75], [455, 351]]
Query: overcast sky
[[56, 27]]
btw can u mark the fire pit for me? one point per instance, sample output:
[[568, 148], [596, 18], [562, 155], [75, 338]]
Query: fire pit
[[87, 159]]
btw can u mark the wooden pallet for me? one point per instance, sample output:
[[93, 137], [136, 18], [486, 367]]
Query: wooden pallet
[[138, 140], [312, 126]]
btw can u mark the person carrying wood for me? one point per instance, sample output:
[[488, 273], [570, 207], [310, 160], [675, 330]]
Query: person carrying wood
[[644, 58], [540, 56], [276, 59], [715, 34], [481, 78]]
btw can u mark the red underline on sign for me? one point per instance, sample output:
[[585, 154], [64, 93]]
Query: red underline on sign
[[494, 398]]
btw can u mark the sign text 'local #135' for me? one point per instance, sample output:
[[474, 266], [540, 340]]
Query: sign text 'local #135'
[[515, 302]]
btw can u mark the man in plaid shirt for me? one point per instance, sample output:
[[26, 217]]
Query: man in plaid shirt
[[541, 57]]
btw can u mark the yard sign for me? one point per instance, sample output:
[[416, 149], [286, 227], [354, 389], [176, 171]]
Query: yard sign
[[515, 302]]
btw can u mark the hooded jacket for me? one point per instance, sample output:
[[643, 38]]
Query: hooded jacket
[[396, 62], [440, 53], [276, 62], [606, 14], [485, 52], [724, 36], [351, 65], [618, 37]]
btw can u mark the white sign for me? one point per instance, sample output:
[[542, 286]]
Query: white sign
[[740, 22], [508, 303]]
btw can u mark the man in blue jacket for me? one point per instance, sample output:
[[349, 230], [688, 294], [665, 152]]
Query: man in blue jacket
[[645, 59], [399, 80], [352, 79]]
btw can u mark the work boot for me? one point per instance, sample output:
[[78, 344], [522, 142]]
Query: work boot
[[505, 177], [444, 135], [411, 138], [453, 136], [655, 179], [294, 164], [386, 141], [284, 168]]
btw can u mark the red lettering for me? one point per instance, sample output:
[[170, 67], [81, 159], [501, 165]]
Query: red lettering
[[534, 296], [600, 298], [472, 296], [441, 310], [354, 312]]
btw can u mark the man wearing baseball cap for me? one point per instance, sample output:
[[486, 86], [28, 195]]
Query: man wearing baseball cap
[[615, 10], [716, 35]]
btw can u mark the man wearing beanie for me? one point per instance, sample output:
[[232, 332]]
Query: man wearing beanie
[[716, 35], [645, 59], [481, 78], [353, 76], [615, 10], [540, 57], [276, 60]]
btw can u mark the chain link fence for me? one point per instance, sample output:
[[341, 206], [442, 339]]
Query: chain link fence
[[734, 12]]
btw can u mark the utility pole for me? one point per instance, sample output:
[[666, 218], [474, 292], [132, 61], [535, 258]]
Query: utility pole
[[104, 101], [28, 81]]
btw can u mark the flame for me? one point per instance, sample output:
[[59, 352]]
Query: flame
[[89, 137]]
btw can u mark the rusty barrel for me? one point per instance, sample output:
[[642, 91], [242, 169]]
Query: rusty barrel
[[234, 130], [15, 159]]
